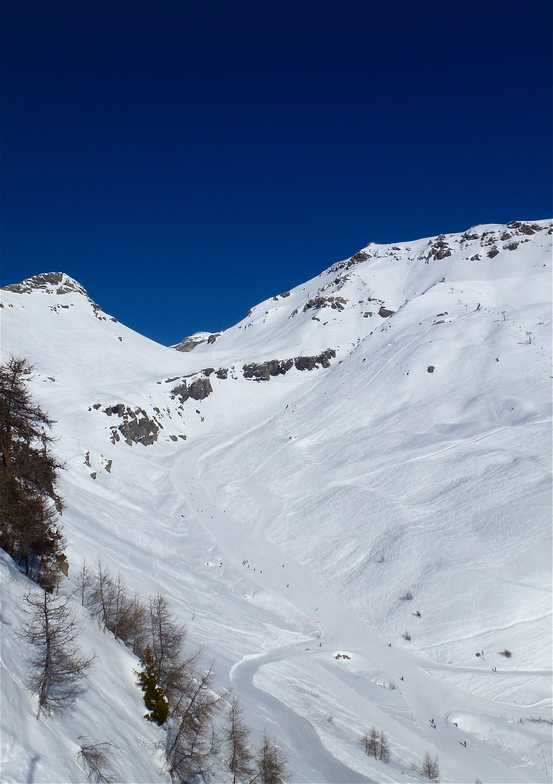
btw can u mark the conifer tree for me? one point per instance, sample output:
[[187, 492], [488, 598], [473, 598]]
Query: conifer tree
[[154, 698], [165, 638], [96, 760], [371, 743], [383, 748], [106, 596], [29, 503], [236, 734], [430, 767], [191, 746], [57, 668], [271, 763]]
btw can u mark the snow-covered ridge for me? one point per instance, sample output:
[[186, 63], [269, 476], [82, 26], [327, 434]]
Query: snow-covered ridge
[[55, 284], [48, 283], [345, 303]]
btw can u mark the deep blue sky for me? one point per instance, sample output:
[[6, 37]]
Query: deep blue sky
[[186, 160]]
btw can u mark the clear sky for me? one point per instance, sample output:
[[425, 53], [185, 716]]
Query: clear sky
[[186, 160]]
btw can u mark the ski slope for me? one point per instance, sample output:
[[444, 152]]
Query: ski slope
[[300, 509]]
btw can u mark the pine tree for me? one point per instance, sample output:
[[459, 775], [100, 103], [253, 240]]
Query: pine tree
[[236, 733], [57, 668], [154, 698], [29, 503]]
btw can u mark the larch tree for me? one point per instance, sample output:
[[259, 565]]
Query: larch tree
[[384, 752], [96, 761], [29, 502], [371, 743], [191, 744], [271, 763], [166, 638], [107, 598], [236, 734], [57, 668], [430, 767]]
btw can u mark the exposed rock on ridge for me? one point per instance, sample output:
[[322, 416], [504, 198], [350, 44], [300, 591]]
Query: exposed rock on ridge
[[56, 283], [49, 282], [264, 370]]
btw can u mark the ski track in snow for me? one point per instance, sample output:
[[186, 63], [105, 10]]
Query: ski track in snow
[[349, 635]]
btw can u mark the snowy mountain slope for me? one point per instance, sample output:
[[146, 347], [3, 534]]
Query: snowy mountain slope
[[341, 305], [304, 504]]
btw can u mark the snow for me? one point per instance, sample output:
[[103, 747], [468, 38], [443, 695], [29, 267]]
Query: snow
[[291, 522]]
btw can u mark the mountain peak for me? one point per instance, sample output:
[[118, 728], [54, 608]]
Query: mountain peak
[[49, 283]]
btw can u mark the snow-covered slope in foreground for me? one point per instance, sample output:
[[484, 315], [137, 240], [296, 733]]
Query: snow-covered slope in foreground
[[382, 431]]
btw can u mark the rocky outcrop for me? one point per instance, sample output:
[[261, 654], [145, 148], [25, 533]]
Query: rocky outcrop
[[337, 303], [357, 258], [263, 371], [310, 363], [439, 249], [56, 283], [198, 389], [51, 282], [136, 427], [525, 228], [190, 343]]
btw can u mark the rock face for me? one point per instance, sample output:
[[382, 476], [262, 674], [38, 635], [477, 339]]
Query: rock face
[[190, 343], [264, 370], [136, 427], [139, 431], [337, 303], [439, 249], [357, 258], [197, 390], [54, 282]]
